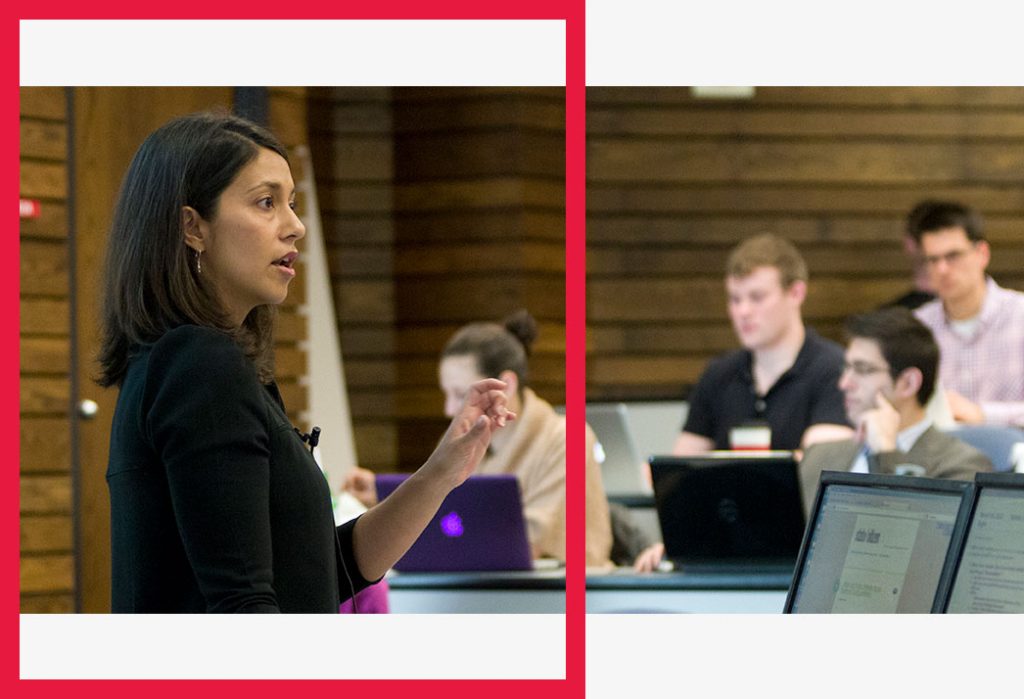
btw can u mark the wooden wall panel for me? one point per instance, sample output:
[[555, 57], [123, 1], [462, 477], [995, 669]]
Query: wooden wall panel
[[674, 182], [47, 572], [46, 533], [287, 119], [469, 163], [45, 444], [440, 206], [351, 130]]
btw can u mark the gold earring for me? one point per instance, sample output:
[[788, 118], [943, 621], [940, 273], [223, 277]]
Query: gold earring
[[199, 261]]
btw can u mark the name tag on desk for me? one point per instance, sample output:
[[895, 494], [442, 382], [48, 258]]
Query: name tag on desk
[[750, 437]]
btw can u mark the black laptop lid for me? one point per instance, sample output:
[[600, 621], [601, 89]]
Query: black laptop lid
[[988, 570], [728, 509], [878, 544]]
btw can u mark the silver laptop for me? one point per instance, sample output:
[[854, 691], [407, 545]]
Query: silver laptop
[[622, 463]]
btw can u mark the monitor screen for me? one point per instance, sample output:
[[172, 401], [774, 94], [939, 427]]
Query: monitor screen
[[875, 549], [989, 576]]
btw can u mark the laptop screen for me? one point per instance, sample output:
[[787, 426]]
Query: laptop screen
[[616, 451], [989, 574], [479, 527], [876, 544], [729, 508]]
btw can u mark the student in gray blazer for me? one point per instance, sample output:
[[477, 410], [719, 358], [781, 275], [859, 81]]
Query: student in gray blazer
[[888, 376]]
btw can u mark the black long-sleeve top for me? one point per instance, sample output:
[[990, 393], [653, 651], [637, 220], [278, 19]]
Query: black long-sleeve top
[[216, 503]]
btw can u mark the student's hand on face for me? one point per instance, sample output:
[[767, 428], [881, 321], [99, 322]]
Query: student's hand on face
[[361, 483], [879, 426], [963, 409]]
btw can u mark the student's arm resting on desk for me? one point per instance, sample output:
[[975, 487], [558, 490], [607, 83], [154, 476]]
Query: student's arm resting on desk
[[690, 444], [815, 434], [687, 444], [386, 531], [966, 411], [650, 558], [1003, 413]]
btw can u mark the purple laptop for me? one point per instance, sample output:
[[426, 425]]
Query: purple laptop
[[480, 526]]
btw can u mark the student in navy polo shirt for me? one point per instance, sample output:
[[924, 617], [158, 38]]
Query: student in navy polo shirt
[[785, 376]]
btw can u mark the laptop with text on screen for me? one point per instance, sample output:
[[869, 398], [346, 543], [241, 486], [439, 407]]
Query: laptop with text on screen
[[729, 511], [987, 574], [479, 527], [878, 544]]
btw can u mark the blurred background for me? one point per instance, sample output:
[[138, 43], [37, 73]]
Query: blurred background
[[676, 178]]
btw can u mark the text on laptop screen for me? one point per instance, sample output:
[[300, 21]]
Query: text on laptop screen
[[876, 551], [990, 577]]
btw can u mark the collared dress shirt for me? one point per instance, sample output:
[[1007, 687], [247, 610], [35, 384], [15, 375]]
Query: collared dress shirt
[[987, 366]]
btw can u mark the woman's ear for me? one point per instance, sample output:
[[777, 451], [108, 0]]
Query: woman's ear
[[512, 379], [194, 228]]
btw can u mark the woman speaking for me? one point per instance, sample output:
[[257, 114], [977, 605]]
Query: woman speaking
[[217, 504]]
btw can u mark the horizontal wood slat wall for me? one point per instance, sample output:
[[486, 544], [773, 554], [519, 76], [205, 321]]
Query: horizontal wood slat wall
[[441, 206], [47, 531], [674, 182], [352, 144], [287, 119], [479, 232]]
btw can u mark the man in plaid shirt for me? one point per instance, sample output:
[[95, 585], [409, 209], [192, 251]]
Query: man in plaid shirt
[[978, 325]]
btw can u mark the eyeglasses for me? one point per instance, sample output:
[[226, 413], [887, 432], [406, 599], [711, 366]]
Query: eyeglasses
[[863, 368], [950, 258]]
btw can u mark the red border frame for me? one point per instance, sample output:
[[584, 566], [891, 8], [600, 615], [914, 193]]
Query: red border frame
[[572, 12]]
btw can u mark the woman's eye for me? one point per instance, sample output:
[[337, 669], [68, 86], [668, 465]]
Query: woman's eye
[[292, 205], [266, 203]]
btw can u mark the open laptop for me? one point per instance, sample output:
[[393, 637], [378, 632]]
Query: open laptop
[[729, 511], [622, 464], [479, 527], [987, 574], [878, 544]]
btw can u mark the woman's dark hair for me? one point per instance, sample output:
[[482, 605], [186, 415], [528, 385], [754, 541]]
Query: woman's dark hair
[[496, 347], [904, 342], [151, 283]]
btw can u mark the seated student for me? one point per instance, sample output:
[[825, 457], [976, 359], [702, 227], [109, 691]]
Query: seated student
[[978, 325], [533, 447], [921, 292], [785, 375], [888, 377]]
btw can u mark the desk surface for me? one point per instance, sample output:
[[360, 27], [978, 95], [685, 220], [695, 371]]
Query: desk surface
[[701, 579], [489, 580], [543, 592], [511, 592], [703, 591]]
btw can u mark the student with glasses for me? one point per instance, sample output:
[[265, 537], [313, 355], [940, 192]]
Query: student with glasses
[[978, 325], [888, 376]]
